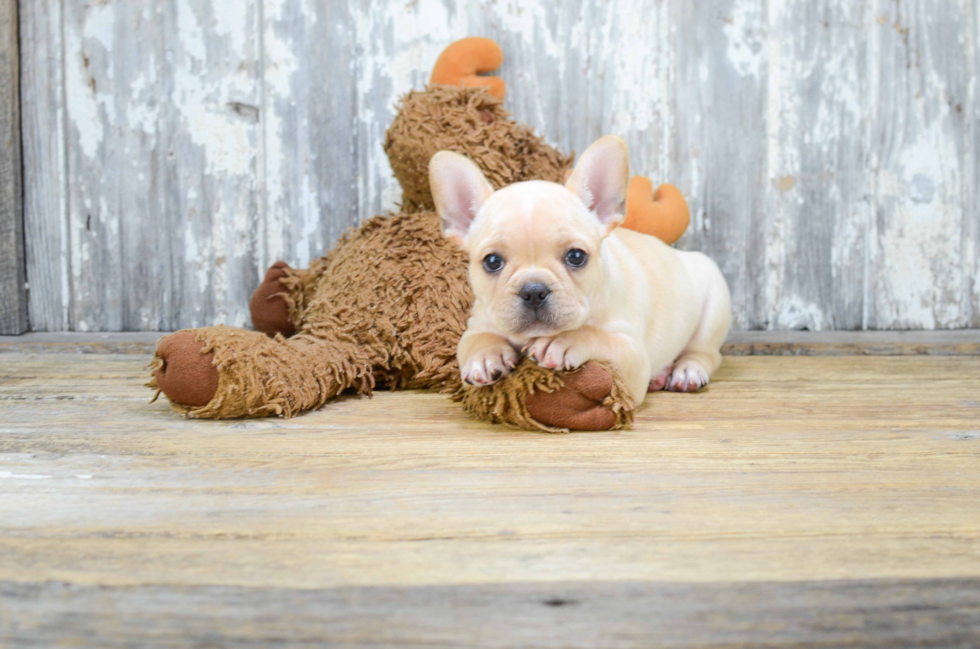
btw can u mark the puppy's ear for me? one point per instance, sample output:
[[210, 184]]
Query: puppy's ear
[[459, 189], [600, 179]]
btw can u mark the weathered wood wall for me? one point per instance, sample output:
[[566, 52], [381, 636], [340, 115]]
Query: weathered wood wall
[[13, 297], [828, 147]]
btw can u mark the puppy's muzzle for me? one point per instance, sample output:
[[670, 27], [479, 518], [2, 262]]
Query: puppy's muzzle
[[534, 296]]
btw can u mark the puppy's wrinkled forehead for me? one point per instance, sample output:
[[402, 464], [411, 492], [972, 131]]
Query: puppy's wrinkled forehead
[[532, 211]]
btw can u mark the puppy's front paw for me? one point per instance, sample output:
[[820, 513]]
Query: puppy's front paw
[[489, 365], [559, 353], [688, 376]]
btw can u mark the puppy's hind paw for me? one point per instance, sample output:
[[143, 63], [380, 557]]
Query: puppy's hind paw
[[489, 365], [687, 376], [659, 382]]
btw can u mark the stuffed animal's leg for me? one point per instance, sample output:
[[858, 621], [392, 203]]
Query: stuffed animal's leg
[[278, 304], [592, 397], [225, 373], [269, 304]]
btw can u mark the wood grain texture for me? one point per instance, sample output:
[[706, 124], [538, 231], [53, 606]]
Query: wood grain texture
[[828, 148], [162, 210], [13, 277], [814, 226], [786, 469], [309, 122], [971, 231], [821, 500], [47, 236], [720, 154], [879, 613], [922, 153]]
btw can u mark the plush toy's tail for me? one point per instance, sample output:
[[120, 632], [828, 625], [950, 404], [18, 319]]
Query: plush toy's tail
[[663, 213], [461, 63]]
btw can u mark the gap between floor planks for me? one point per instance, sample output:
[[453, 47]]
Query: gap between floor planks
[[965, 342]]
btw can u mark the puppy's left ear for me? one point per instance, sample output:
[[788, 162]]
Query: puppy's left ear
[[459, 189], [600, 179]]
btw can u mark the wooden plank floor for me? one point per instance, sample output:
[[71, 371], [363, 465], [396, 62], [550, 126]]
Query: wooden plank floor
[[824, 501]]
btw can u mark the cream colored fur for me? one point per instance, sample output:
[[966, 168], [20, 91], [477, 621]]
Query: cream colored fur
[[656, 314]]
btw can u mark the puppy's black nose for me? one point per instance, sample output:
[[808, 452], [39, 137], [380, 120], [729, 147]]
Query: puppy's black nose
[[534, 295]]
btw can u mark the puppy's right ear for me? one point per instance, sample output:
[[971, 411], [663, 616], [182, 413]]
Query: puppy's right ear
[[600, 179], [459, 189]]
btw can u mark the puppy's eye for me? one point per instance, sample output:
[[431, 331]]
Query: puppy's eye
[[576, 258], [493, 263]]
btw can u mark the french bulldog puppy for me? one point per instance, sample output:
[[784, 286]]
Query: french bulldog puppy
[[555, 279]]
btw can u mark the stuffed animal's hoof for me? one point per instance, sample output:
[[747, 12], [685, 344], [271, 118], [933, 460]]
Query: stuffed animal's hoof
[[186, 376], [270, 312], [579, 404]]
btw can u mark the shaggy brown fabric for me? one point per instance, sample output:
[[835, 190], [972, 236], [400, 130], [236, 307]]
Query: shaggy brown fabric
[[396, 286], [268, 306], [468, 121]]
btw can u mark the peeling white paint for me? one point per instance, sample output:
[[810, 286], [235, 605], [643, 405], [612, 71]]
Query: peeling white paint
[[254, 184], [385, 71], [227, 144], [281, 64], [229, 18], [189, 31], [81, 96], [783, 160], [746, 44], [796, 313], [919, 291]]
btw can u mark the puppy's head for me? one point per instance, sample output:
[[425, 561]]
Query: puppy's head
[[535, 246]]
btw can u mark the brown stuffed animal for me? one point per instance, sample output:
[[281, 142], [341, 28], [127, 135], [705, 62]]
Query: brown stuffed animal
[[387, 305]]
